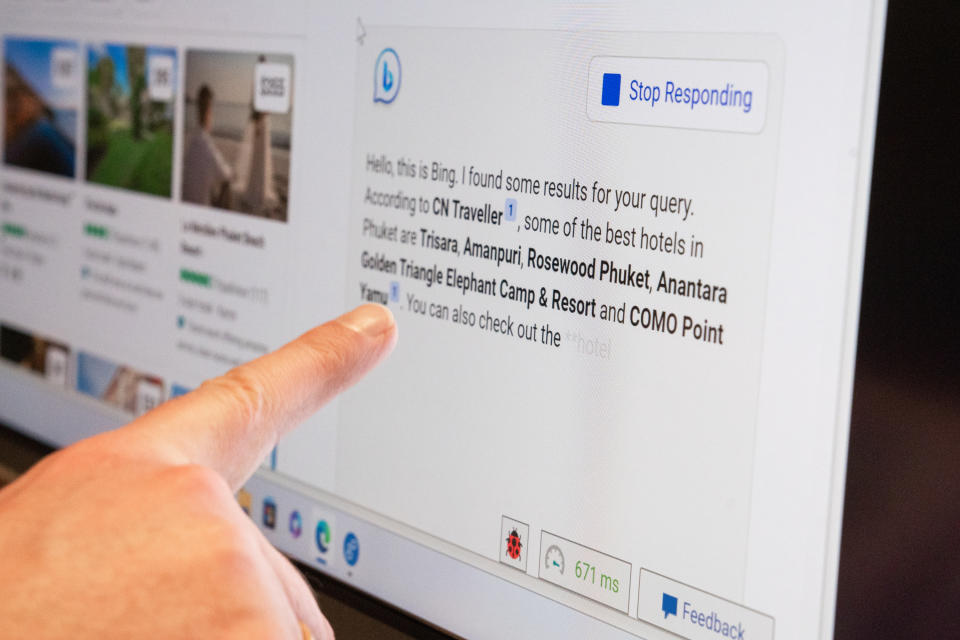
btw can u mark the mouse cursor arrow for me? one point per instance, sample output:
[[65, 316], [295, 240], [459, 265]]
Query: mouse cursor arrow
[[361, 32]]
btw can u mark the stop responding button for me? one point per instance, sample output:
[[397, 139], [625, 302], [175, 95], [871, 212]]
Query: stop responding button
[[721, 95], [695, 614]]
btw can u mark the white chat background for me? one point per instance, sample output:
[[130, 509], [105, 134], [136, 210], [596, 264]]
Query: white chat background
[[646, 456]]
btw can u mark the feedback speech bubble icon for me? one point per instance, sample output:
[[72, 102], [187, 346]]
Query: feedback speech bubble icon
[[386, 76], [669, 605]]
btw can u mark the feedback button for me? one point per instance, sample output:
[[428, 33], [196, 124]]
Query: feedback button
[[695, 614], [720, 95]]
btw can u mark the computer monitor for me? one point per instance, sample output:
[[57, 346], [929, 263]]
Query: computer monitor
[[623, 243]]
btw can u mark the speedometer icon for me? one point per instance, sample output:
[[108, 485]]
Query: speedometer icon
[[553, 559]]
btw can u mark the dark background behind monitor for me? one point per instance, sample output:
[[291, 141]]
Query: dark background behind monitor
[[900, 551]]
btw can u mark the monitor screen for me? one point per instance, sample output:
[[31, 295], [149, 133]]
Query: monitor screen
[[623, 243]]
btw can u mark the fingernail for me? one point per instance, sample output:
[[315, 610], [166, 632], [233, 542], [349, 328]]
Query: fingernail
[[370, 319]]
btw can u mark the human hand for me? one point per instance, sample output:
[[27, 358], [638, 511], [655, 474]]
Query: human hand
[[135, 533]]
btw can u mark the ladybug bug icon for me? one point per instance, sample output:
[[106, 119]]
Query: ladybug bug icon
[[514, 546]]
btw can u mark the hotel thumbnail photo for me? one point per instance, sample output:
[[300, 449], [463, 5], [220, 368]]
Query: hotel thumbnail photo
[[41, 99], [130, 111], [236, 146]]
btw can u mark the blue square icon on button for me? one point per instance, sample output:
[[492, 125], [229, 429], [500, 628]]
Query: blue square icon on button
[[669, 606], [611, 90]]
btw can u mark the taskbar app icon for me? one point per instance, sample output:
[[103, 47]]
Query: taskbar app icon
[[269, 513], [323, 531], [351, 549], [295, 524], [245, 500]]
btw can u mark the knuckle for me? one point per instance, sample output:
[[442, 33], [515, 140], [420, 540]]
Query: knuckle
[[198, 481], [235, 556], [240, 388]]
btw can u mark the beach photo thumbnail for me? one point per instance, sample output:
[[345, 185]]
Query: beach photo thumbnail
[[130, 112], [41, 80], [237, 127], [118, 385]]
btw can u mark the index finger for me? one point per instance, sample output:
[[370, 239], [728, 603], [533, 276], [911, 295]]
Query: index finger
[[230, 423]]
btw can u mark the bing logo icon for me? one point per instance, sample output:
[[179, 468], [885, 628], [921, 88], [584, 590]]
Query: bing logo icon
[[386, 76]]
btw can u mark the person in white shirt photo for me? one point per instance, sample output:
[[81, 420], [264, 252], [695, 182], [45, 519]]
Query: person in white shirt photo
[[206, 174]]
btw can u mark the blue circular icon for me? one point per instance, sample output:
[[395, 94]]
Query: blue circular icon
[[296, 524], [322, 536], [386, 76], [351, 549]]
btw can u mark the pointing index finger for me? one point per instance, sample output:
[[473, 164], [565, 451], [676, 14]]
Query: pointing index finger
[[230, 423]]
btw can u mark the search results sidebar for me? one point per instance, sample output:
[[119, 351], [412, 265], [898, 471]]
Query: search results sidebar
[[719, 95]]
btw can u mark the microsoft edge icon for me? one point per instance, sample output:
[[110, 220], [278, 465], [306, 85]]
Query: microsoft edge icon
[[610, 97], [386, 76], [322, 538]]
